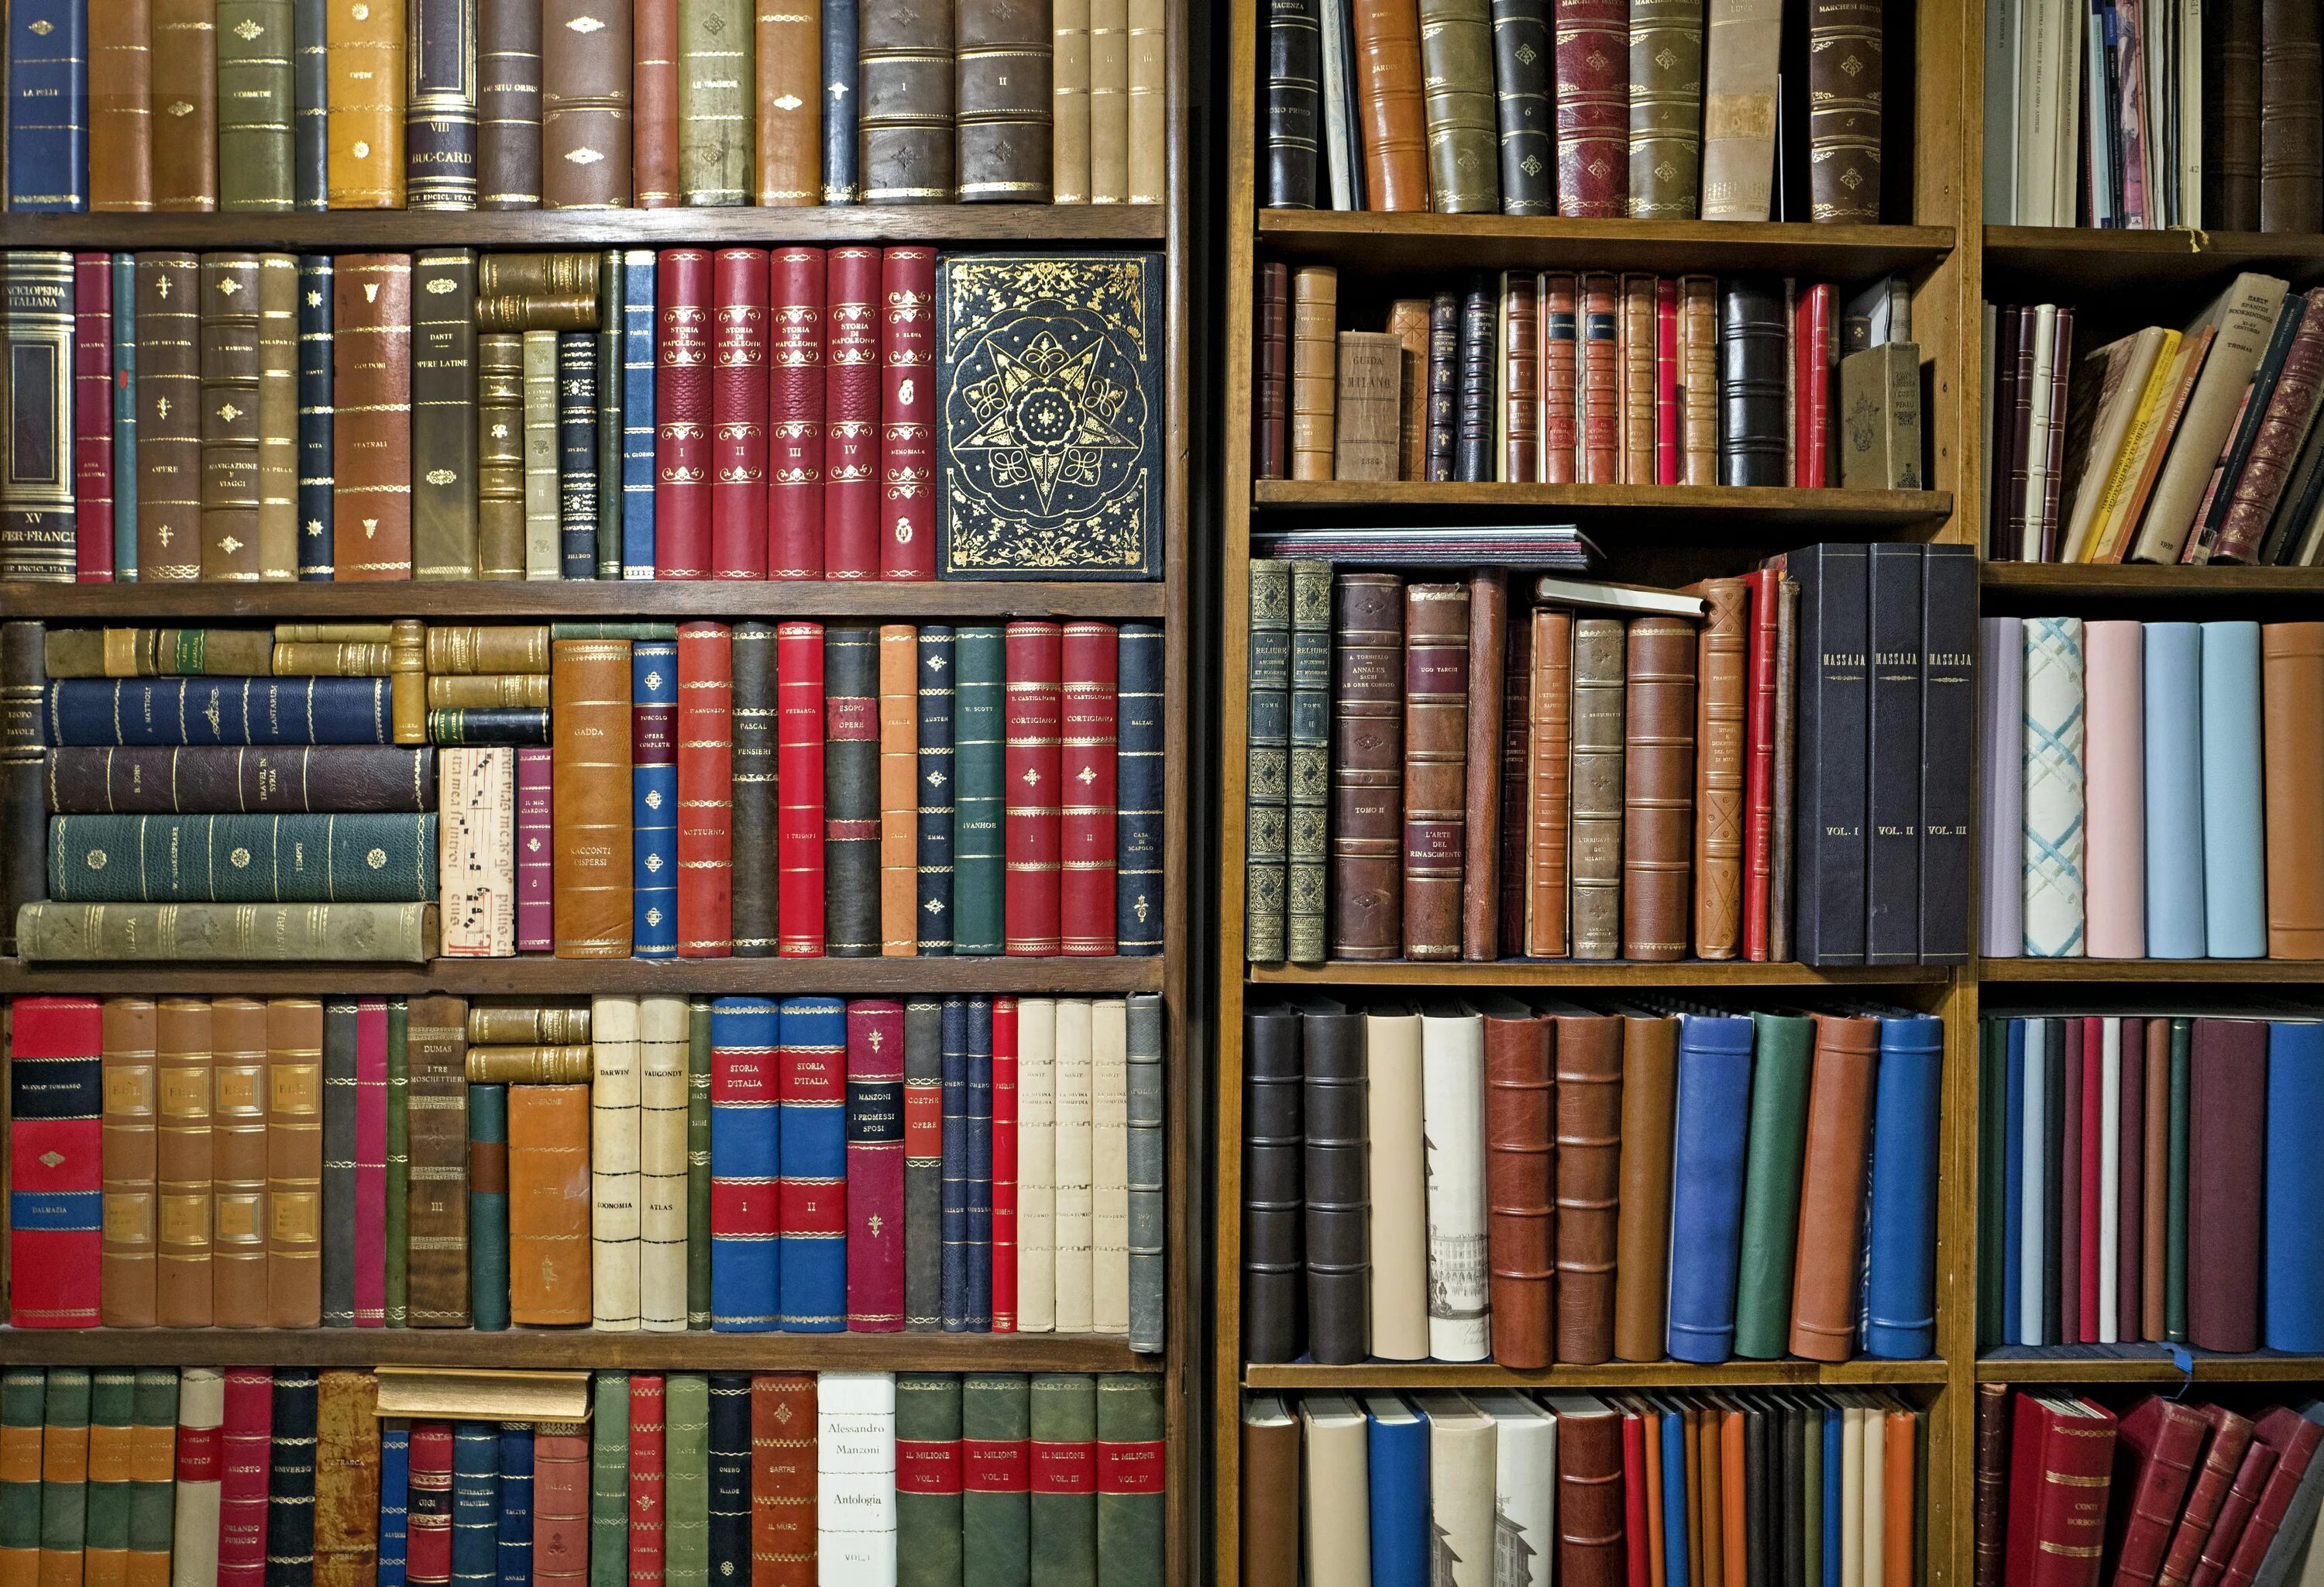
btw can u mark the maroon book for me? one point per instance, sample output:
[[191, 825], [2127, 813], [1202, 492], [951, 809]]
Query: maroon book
[[55, 1161], [1593, 109], [1085, 910], [2061, 1451], [682, 416], [799, 783], [2068, 1212], [2157, 1447], [2294, 1438], [1031, 763], [875, 1165], [536, 852], [429, 1504], [92, 410], [907, 418], [2206, 1498], [1520, 1222], [852, 380], [649, 1443], [738, 415], [705, 781], [2227, 1140], [2093, 1161], [794, 383]]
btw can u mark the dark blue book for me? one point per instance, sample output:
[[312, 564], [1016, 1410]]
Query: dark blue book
[[1396, 1449], [165, 711], [745, 1166], [291, 1479], [488, 1234], [302, 858], [576, 453], [980, 1165], [125, 418], [2291, 1258], [311, 119], [2013, 1184], [1673, 1455], [956, 1164], [48, 107], [638, 414], [475, 1504], [936, 784], [1831, 1492], [612, 441], [1900, 1283], [841, 180], [730, 1478], [339, 1164], [978, 732], [1002, 319], [394, 1489], [315, 352], [1832, 738], [653, 798], [1892, 821], [1712, 1121], [1948, 793], [811, 1042], [1138, 792], [514, 1554]]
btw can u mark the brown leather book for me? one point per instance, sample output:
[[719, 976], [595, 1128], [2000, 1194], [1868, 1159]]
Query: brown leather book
[[500, 455], [2231, 115], [2291, 116], [1638, 391], [1271, 396], [1589, 1183], [589, 688], [436, 1225], [182, 1162], [184, 105], [1590, 1522], [1642, 1234], [586, 65], [1594, 852], [1831, 1186], [278, 416], [1395, 130], [169, 407], [549, 1204], [1718, 722], [294, 1162], [129, 1141], [346, 1479], [1548, 789], [904, 134], [1367, 423], [120, 107], [371, 441], [1314, 326], [1002, 97], [1435, 766], [653, 91], [1368, 768], [1271, 1488], [790, 105], [508, 103], [229, 356], [2292, 686], [1697, 379], [1480, 884], [1407, 322], [368, 88], [1520, 1223], [1665, 109], [1844, 73], [1658, 788], [238, 1279]]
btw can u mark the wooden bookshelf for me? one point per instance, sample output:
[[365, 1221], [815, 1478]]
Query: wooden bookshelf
[[1719, 511], [1607, 973], [1418, 1375], [2079, 260], [540, 977], [584, 600], [2120, 972], [1381, 241]]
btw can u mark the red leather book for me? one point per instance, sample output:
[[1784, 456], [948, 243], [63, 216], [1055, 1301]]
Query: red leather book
[[2294, 1438], [1560, 350], [795, 411], [93, 417], [682, 415], [798, 788], [875, 1165], [2234, 1515], [1760, 759], [1031, 764], [2155, 1461], [2061, 1451], [1590, 1504], [1812, 328], [1638, 1551], [706, 785], [649, 1541], [1666, 381], [1517, 782], [2226, 1123], [1599, 391], [1004, 1164], [738, 415], [245, 1447], [1520, 422], [1593, 107], [2067, 1218], [2092, 1162], [1521, 1225], [560, 1502], [427, 1503], [908, 414], [783, 1480], [56, 1151], [1086, 909], [851, 405], [2231, 1434]]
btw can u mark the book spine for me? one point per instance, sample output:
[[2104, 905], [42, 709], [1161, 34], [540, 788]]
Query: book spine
[[933, 754], [800, 783], [37, 529], [290, 1495], [244, 1450], [1033, 761], [715, 70], [1435, 737], [440, 105], [704, 782], [743, 1158], [729, 1508], [789, 154], [1598, 394], [648, 1477], [1948, 731], [979, 866], [811, 1122], [876, 1167], [367, 100], [48, 107], [1658, 782], [753, 815], [1833, 702], [438, 1215], [955, 1225], [92, 418], [1594, 134], [317, 486], [128, 1142], [371, 1163], [590, 794], [980, 1165], [124, 561], [1892, 766], [655, 878], [611, 435], [372, 390], [1292, 114], [908, 414], [577, 454], [508, 72], [698, 1052], [1088, 720], [738, 403], [512, 1532], [1145, 1150], [1665, 109], [852, 512], [604, 1537], [615, 1130], [536, 883], [1267, 762], [924, 1188], [1844, 45], [843, 98], [1140, 773], [587, 60], [639, 434], [1005, 1038], [782, 1475], [120, 130], [851, 789], [1002, 102], [795, 379], [57, 1179], [899, 790], [1521, 72], [1368, 768], [683, 415], [488, 1206]]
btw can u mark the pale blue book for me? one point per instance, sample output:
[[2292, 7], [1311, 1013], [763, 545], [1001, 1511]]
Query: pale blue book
[[2174, 790], [2235, 860]]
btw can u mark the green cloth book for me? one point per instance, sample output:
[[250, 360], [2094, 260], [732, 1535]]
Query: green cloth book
[[2175, 1262], [686, 1481], [23, 1390], [1992, 1117], [488, 1208], [978, 731], [697, 1163], [995, 1499], [112, 1422], [253, 106], [1785, 1047], [1130, 1480], [928, 1522], [153, 1472], [64, 1470], [1065, 1479], [398, 1162], [609, 1483]]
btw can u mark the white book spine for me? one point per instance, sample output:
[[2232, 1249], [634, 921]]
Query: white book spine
[[1338, 150], [1852, 1496], [1453, 1075], [476, 852], [194, 1547], [1396, 1167], [855, 1479], [1073, 1300], [1338, 1484], [1110, 1167], [1525, 1488], [2109, 1177], [661, 1163], [1876, 1491], [613, 1163], [2037, 443], [1037, 1165]]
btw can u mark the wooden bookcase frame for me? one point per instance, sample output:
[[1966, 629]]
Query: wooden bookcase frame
[[1167, 227]]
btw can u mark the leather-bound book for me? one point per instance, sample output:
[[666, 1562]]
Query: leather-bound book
[[1596, 847], [683, 414], [1456, 54], [799, 776], [1069, 104], [1548, 789], [1520, 1099], [129, 1141], [1893, 758], [1443, 383], [290, 1476], [705, 687], [277, 416], [367, 104], [2207, 1497], [1741, 43], [347, 1478], [1274, 1205], [1336, 1248], [1832, 1188], [1521, 100], [1308, 779], [1267, 762], [1658, 789], [899, 812], [2158, 1449], [1665, 104], [796, 403], [1290, 177], [1588, 1507], [1517, 423], [2291, 118], [56, 1137], [1002, 100], [1588, 1182], [183, 65], [1407, 321], [653, 107], [1436, 753], [2226, 1127], [2232, 74], [183, 1163], [715, 71], [508, 104], [24, 738], [908, 411], [851, 405], [1697, 379], [575, 397], [1314, 313], [851, 789], [370, 436], [1108, 101], [2289, 412], [589, 684], [1365, 424], [440, 115], [446, 433], [548, 1205], [586, 64], [169, 403], [1844, 82], [1368, 768], [1034, 796], [238, 1285], [877, 1235], [1750, 381], [1593, 132], [500, 455], [1598, 401], [904, 128], [1831, 735], [840, 29], [1559, 327], [1642, 1229], [782, 1476], [316, 310], [254, 91], [752, 785], [1089, 722], [738, 415], [435, 1218], [1488, 661], [1149, 35], [1636, 400], [1272, 405], [788, 143], [2292, 683], [1387, 37], [1719, 749], [1473, 457], [230, 418], [121, 116]]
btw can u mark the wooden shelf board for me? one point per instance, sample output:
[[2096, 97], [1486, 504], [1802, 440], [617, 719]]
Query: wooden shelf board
[[2223, 971], [1508, 242], [1608, 1375], [1036, 224], [1587, 972], [571, 1348], [2146, 1364], [1716, 510], [550, 600], [881, 977], [2081, 261], [2142, 582]]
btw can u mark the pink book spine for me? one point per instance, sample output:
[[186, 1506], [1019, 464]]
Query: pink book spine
[[2093, 1127], [1004, 1164], [851, 462], [1666, 381], [246, 1453], [798, 790], [2114, 758], [371, 1163], [92, 388], [907, 414], [795, 417], [1638, 1559], [536, 854], [875, 1165]]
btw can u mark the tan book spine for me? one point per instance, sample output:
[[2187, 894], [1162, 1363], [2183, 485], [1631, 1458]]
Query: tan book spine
[[569, 1065], [1742, 43], [1698, 377], [278, 416], [789, 104], [347, 1499], [182, 1166], [1595, 847], [1658, 788], [126, 1249], [121, 115], [1548, 801], [1108, 101], [467, 649], [502, 1024], [1314, 325], [486, 691], [406, 681], [238, 1275], [548, 1205], [1069, 97], [294, 1162], [613, 1163], [365, 40], [899, 804], [500, 455], [1150, 144], [1638, 341], [1407, 322], [1396, 1172], [299, 658], [590, 685], [1368, 429], [1721, 665]]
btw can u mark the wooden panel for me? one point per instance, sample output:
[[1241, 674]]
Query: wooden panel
[[2146, 1364], [2153, 972], [2033, 260], [1598, 973], [1847, 254], [551, 600], [582, 977], [1418, 1375], [1715, 512]]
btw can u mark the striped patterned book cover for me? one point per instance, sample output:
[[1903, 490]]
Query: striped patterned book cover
[[745, 1258], [812, 1085], [653, 776], [56, 1172], [875, 1165]]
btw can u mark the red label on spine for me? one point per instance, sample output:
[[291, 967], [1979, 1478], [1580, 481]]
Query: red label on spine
[[1129, 1468], [989, 1465], [198, 1455], [927, 1468], [1064, 1467]]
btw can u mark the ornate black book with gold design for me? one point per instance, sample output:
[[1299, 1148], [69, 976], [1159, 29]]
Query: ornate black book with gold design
[[1050, 391]]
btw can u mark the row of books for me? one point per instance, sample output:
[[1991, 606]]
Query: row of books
[[1613, 771], [1559, 378], [807, 1165], [2148, 114], [852, 413], [580, 103], [1552, 1182], [697, 791], [154, 1476], [2151, 788], [2161, 446], [1818, 1488], [2149, 1179], [2072, 1493], [1719, 111]]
